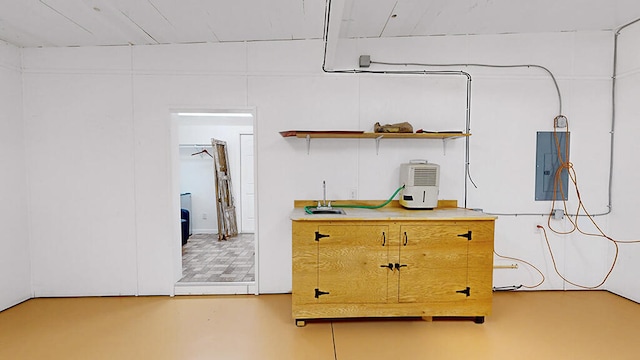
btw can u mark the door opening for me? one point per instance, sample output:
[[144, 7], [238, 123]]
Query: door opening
[[208, 264]]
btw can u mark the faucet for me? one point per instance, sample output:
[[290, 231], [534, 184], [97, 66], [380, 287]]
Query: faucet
[[324, 204]]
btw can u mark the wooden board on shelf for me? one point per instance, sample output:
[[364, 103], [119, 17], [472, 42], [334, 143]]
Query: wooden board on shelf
[[336, 133]]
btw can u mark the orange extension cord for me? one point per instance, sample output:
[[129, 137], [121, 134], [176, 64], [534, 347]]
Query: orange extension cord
[[562, 155]]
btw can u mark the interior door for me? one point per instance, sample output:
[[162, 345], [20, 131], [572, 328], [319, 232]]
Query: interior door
[[350, 259]]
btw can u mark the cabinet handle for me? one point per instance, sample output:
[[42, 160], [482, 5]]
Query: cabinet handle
[[398, 266], [384, 238], [406, 239], [390, 266]]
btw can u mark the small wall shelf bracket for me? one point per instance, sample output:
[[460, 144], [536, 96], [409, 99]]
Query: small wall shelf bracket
[[378, 143], [308, 143]]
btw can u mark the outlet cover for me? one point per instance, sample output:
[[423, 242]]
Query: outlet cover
[[353, 194]]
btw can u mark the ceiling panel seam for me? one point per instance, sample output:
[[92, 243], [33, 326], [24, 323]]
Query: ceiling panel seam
[[65, 16]]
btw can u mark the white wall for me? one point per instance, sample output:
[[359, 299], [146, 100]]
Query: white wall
[[197, 172], [80, 156], [196, 178], [15, 266], [627, 175], [102, 117], [508, 107]]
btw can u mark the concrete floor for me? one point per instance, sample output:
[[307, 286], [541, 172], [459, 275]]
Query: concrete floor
[[524, 325]]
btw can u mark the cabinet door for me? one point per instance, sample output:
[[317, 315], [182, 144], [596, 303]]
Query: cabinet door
[[304, 262], [481, 260], [350, 259], [433, 260]]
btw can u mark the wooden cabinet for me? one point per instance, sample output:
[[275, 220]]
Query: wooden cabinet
[[381, 268]]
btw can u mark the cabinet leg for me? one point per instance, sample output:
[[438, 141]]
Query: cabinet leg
[[479, 320], [300, 323]]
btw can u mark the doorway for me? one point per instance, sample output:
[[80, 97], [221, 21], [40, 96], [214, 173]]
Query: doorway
[[210, 266]]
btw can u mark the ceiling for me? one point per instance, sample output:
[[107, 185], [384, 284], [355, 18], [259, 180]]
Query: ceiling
[[57, 23]]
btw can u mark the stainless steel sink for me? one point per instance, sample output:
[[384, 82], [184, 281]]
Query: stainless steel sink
[[327, 211], [324, 207]]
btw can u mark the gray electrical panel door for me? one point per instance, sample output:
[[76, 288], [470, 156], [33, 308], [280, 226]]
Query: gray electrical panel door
[[548, 162]]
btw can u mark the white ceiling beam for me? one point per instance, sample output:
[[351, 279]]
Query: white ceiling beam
[[334, 17]]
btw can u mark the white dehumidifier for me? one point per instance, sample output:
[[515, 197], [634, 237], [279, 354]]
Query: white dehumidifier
[[421, 182]]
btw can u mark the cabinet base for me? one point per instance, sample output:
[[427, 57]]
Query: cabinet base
[[476, 319], [479, 307]]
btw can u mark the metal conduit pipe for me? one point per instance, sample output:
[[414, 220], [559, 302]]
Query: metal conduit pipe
[[468, 110], [614, 76], [613, 113], [553, 78], [435, 73], [408, 72]]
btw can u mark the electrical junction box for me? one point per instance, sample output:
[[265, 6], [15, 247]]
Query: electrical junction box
[[364, 61], [560, 121], [547, 164]]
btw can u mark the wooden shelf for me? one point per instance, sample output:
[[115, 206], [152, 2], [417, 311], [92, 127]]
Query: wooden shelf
[[338, 134], [369, 135]]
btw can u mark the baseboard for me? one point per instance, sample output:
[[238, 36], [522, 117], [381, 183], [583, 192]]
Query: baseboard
[[244, 288], [204, 231], [624, 297], [14, 303]]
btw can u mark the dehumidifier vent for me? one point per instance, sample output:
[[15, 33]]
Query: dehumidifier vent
[[425, 176], [420, 182]]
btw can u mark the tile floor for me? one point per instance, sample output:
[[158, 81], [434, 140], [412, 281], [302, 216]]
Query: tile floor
[[205, 259]]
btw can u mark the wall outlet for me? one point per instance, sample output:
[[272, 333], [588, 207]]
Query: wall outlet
[[204, 216], [353, 194]]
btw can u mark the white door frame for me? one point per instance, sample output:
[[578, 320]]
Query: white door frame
[[243, 208], [208, 288]]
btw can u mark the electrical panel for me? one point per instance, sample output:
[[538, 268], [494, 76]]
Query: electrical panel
[[547, 163]]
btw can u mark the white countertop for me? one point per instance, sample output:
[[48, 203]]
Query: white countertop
[[393, 213]]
